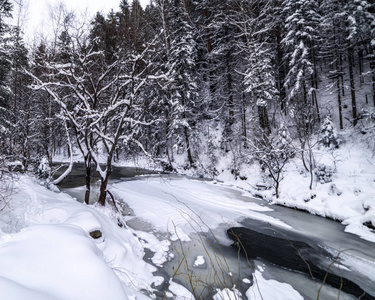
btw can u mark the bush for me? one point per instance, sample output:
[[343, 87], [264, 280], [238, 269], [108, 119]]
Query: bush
[[42, 168], [323, 174], [328, 137]]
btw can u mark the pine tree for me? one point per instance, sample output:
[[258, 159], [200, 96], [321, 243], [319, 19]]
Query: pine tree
[[182, 85], [301, 25], [219, 36], [19, 82], [333, 30], [6, 127], [362, 30], [328, 137], [256, 26]]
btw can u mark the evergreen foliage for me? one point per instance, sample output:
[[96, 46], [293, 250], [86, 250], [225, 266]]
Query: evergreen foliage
[[6, 127], [328, 137]]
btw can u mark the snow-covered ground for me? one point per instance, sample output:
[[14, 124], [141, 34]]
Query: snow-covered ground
[[349, 196], [46, 251]]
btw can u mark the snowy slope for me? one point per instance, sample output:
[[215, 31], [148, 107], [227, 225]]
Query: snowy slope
[[46, 251]]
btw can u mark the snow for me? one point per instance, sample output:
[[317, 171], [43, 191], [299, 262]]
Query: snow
[[264, 289], [199, 261], [178, 292], [47, 253], [62, 248], [184, 206], [227, 294], [349, 197]]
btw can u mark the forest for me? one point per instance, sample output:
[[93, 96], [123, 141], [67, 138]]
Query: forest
[[188, 82]]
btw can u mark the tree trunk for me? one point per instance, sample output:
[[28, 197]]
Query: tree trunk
[[339, 102], [244, 125], [88, 179], [338, 76], [167, 142], [263, 119], [107, 173], [314, 84], [360, 65], [304, 89], [277, 189], [280, 69], [103, 187], [230, 97], [25, 145], [187, 140], [352, 85], [342, 76]]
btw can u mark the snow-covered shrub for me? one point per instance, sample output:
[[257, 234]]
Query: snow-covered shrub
[[367, 128], [367, 114], [42, 170], [7, 188], [333, 190], [323, 173], [328, 136], [273, 153], [212, 158]]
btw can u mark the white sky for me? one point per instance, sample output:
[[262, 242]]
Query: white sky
[[37, 11]]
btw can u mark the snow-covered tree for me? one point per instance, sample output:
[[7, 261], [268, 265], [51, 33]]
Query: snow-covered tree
[[273, 153], [5, 92], [301, 27], [328, 136], [100, 99], [219, 58], [255, 26], [333, 32], [182, 84], [21, 104]]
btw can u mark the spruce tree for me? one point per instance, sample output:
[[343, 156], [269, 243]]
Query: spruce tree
[[301, 26], [182, 84], [6, 127]]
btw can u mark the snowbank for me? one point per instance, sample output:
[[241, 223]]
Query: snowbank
[[347, 196], [46, 251], [59, 262]]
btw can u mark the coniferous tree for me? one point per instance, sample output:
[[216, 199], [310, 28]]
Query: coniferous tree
[[333, 32], [363, 31], [45, 133], [255, 27], [220, 35], [301, 25], [182, 85], [6, 127], [19, 82]]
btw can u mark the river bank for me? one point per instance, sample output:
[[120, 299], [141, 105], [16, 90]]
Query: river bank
[[163, 212]]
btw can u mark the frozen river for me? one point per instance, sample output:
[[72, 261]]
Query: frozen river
[[184, 224]]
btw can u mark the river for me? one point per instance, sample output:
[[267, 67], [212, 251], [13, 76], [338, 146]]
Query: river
[[326, 237]]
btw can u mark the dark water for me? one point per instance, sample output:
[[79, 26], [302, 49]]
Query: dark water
[[76, 178]]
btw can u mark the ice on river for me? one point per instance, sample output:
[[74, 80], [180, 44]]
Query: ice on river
[[184, 206]]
